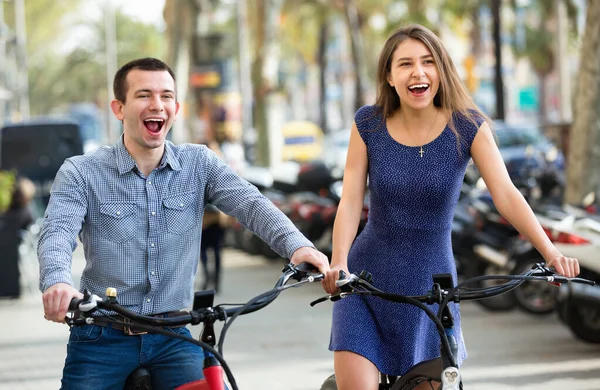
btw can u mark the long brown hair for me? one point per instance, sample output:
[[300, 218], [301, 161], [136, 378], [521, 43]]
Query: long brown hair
[[451, 96]]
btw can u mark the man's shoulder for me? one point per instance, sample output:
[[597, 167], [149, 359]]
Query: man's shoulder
[[189, 152], [103, 155]]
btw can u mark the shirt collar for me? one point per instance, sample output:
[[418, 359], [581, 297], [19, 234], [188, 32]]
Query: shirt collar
[[125, 162]]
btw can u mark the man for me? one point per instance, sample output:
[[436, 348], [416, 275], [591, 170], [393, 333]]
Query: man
[[137, 208]]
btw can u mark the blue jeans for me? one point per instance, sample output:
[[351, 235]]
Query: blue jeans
[[102, 358]]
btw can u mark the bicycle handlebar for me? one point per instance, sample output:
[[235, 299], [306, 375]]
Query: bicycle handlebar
[[302, 273], [361, 285]]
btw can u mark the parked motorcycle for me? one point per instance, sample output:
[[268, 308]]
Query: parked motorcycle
[[578, 236]]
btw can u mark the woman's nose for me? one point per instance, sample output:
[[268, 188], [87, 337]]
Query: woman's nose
[[418, 71]]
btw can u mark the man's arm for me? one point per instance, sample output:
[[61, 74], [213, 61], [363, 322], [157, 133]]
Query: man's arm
[[235, 196], [62, 222]]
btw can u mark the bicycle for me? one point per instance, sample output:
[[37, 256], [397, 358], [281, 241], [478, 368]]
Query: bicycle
[[203, 311], [444, 369]]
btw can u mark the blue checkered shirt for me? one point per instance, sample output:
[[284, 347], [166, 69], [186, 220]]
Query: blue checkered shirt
[[140, 234]]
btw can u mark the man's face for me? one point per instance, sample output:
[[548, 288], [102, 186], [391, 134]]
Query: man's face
[[150, 109]]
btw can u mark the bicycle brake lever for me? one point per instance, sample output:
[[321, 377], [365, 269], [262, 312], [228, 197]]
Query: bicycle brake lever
[[317, 301], [346, 284]]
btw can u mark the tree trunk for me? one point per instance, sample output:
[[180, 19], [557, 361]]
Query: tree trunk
[[543, 90], [260, 87], [322, 64], [180, 17], [583, 169], [358, 53]]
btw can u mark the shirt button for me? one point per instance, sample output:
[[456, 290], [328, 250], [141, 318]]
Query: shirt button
[[148, 300], [149, 182], [152, 245], [118, 213], [153, 213], [152, 273], [180, 204]]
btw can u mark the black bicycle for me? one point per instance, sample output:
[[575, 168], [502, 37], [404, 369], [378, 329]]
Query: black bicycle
[[203, 311], [442, 372]]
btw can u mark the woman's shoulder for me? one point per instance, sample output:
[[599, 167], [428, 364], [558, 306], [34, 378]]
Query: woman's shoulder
[[469, 118], [368, 117]]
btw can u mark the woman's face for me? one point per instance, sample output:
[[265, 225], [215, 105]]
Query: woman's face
[[414, 74]]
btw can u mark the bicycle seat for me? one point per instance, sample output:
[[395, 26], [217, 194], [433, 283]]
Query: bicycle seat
[[139, 379]]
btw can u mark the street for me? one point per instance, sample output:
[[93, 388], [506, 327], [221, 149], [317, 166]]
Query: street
[[284, 346]]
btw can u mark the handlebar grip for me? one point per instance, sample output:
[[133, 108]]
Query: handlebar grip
[[306, 267], [74, 304]]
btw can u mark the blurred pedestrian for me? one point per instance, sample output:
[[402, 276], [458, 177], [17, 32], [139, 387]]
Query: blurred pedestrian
[[20, 205], [213, 232]]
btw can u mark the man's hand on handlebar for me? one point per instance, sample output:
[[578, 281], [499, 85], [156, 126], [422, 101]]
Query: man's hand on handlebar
[[312, 256], [56, 301]]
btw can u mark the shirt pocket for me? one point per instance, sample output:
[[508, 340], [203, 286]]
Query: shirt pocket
[[118, 220], [180, 212]]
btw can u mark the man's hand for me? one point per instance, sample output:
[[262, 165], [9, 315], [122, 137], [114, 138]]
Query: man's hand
[[56, 301], [312, 256]]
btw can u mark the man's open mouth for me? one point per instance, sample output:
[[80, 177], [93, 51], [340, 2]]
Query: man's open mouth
[[154, 125]]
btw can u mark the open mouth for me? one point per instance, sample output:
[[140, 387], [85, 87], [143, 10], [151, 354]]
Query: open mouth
[[418, 89], [154, 125]]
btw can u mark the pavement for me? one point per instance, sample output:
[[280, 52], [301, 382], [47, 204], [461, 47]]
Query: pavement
[[284, 346]]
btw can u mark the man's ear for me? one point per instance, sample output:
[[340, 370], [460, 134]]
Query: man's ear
[[117, 109]]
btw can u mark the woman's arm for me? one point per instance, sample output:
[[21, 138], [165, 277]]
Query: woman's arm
[[511, 204], [350, 207]]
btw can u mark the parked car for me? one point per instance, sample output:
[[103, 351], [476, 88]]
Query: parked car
[[525, 149], [335, 145]]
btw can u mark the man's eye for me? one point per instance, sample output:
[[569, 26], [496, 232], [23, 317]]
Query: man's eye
[[404, 63], [167, 97]]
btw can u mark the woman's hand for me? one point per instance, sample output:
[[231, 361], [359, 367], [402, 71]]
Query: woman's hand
[[331, 277], [567, 266]]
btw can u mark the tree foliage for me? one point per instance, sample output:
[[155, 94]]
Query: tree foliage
[[66, 51]]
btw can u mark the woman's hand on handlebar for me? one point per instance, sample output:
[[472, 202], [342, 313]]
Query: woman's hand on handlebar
[[56, 301], [567, 266], [312, 256], [331, 277]]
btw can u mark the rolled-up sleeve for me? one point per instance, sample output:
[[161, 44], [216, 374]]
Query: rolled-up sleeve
[[62, 223], [236, 197]]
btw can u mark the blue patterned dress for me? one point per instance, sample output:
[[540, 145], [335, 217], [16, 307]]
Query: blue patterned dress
[[405, 241]]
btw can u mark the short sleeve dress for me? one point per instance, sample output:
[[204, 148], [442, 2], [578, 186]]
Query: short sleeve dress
[[406, 240]]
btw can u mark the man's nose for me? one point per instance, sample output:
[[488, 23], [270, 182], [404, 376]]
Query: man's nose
[[156, 104]]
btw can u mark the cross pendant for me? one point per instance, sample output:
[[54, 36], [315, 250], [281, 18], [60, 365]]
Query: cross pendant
[[421, 152]]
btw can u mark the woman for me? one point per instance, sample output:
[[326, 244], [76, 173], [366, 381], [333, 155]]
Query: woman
[[414, 145]]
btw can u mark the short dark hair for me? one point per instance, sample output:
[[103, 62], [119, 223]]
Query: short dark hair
[[148, 63]]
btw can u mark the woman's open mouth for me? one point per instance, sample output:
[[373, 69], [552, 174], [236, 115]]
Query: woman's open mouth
[[418, 89], [154, 125]]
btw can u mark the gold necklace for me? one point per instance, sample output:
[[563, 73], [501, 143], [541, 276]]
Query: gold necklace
[[421, 151]]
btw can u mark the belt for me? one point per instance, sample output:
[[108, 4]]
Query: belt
[[108, 321]]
